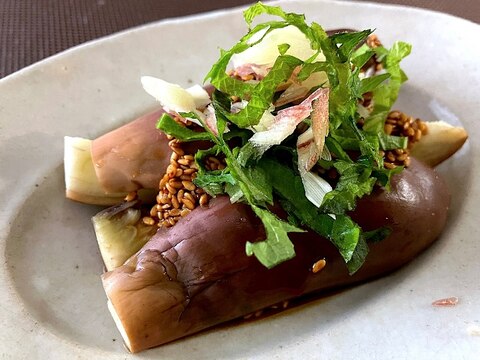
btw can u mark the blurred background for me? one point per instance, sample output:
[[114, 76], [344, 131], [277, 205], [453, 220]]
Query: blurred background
[[31, 30]]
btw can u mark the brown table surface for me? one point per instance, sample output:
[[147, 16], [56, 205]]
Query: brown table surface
[[31, 30]]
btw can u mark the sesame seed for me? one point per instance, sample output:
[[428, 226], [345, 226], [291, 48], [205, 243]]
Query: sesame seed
[[203, 200], [184, 162], [190, 197], [319, 265], [189, 171], [190, 205], [175, 183], [171, 171], [171, 189], [175, 202], [131, 196], [147, 220], [188, 185]]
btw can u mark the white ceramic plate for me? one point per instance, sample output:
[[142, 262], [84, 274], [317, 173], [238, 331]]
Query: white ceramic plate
[[51, 299]]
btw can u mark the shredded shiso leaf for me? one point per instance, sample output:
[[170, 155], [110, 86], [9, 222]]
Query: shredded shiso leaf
[[261, 177]]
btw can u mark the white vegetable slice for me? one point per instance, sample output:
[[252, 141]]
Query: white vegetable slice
[[315, 187], [173, 97], [266, 52], [200, 96]]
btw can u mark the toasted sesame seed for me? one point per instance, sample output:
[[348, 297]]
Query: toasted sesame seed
[[178, 150], [189, 185], [171, 189], [180, 195], [175, 212], [418, 135], [163, 182], [394, 115], [203, 200], [189, 171], [175, 183], [185, 212], [422, 126], [192, 197], [388, 129], [174, 156], [171, 171], [175, 202], [163, 199], [183, 161], [190, 205], [147, 220], [153, 211], [319, 265], [390, 156], [213, 160]]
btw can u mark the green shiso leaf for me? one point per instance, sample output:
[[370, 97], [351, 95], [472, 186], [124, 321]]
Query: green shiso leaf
[[342, 231], [358, 257], [371, 83], [347, 42], [171, 127], [355, 182], [277, 247], [213, 182], [389, 142], [385, 95]]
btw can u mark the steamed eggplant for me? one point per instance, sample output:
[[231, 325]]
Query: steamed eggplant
[[131, 158], [184, 274]]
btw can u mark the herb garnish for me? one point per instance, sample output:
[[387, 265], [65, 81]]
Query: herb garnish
[[260, 177]]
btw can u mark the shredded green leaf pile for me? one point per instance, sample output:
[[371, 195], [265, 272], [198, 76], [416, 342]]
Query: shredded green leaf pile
[[262, 179]]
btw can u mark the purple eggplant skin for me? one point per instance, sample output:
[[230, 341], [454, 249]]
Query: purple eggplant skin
[[196, 274], [136, 155], [133, 156]]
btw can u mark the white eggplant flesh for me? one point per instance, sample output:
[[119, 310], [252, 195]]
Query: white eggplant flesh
[[441, 141], [120, 233]]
